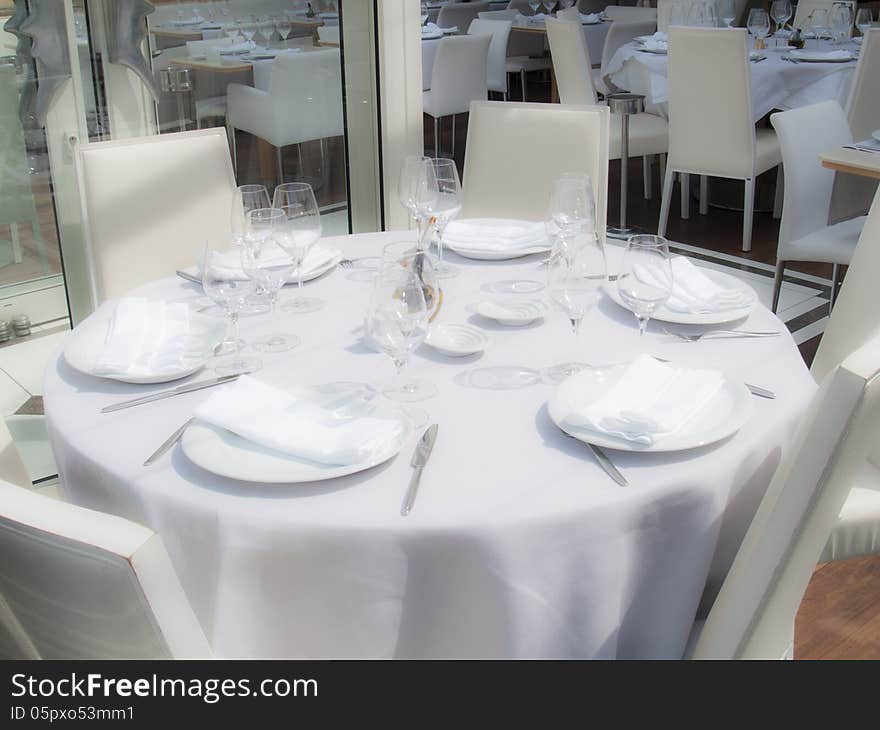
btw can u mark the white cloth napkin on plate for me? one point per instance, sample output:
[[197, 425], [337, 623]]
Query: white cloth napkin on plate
[[153, 338], [820, 55], [695, 293], [494, 234], [650, 401], [229, 262], [296, 423], [655, 45], [236, 48], [431, 29], [590, 18]]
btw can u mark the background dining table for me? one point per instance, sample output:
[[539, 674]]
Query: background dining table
[[519, 544]]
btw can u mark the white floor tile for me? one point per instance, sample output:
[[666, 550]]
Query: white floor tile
[[12, 395], [27, 361]]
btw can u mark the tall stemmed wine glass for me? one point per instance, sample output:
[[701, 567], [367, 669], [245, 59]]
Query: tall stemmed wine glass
[[231, 293], [863, 20], [728, 12], [572, 203], [417, 189], [297, 234], [397, 323], [841, 20], [819, 24], [645, 280], [269, 265], [245, 199], [780, 11], [758, 24], [576, 273], [548, 6], [446, 207]]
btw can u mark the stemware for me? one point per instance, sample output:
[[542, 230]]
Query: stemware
[[575, 276], [840, 21], [759, 25], [417, 189], [572, 203], [548, 6], [863, 20], [534, 6], [819, 23], [245, 199], [297, 234], [445, 207], [231, 294], [645, 279], [283, 26], [269, 266], [397, 323], [408, 255], [728, 12], [780, 11]]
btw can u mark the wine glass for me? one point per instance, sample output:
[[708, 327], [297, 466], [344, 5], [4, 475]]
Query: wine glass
[[408, 255], [548, 6], [576, 273], [572, 203], [269, 266], [248, 29], [780, 11], [645, 280], [283, 26], [397, 323], [231, 293], [863, 20], [728, 12], [245, 199], [297, 234], [417, 189], [841, 21], [445, 208], [819, 23], [758, 24]]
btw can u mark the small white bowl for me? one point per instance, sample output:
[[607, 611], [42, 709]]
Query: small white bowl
[[457, 340], [511, 312]]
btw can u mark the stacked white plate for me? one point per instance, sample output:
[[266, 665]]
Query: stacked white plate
[[495, 239]]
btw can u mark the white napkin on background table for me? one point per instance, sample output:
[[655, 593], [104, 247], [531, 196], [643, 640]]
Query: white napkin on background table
[[650, 401], [494, 234], [237, 48], [296, 424], [229, 262], [590, 18], [820, 55]]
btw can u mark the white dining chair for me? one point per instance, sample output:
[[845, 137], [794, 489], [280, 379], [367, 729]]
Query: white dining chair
[[12, 468], [629, 12], [157, 216], [525, 51], [328, 34], [648, 133], [458, 77], [496, 64], [460, 15], [711, 126], [804, 234], [303, 104], [620, 32], [512, 160], [835, 444], [79, 584], [208, 107], [804, 9]]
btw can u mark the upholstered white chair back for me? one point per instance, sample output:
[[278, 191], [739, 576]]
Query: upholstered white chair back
[[571, 62], [78, 584], [460, 15], [459, 74], [835, 445], [863, 107], [854, 317], [306, 89], [328, 33], [509, 171], [151, 203], [630, 12], [12, 468], [621, 32], [711, 129], [805, 7], [803, 134], [496, 65]]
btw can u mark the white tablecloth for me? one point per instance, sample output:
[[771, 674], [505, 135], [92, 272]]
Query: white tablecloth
[[776, 84], [518, 546]]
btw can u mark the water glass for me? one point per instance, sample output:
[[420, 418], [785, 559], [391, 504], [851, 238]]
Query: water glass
[[446, 207], [417, 190], [645, 280], [758, 24], [863, 20], [245, 199], [297, 234]]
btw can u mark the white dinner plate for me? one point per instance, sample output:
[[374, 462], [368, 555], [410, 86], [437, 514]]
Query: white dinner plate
[[86, 344], [457, 340], [662, 314], [727, 412], [513, 312], [222, 452], [330, 263], [655, 51], [815, 59]]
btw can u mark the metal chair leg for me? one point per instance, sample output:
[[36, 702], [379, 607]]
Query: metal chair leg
[[522, 80], [436, 136], [230, 133], [777, 284], [646, 176], [835, 280], [685, 178], [279, 169], [453, 137], [748, 214], [666, 200], [780, 190]]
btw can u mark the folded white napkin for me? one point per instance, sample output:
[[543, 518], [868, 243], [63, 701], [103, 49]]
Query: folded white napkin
[[451, 29], [660, 36], [194, 20], [805, 55], [155, 338], [296, 423], [236, 48], [754, 55], [650, 401], [590, 18], [695, 293], [229, 266], [494, 234], [431, 29], [655, 45]]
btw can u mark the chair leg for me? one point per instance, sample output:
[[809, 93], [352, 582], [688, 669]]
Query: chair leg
[[230, 133], [748, 213], [662, 165], [777, 283], [780, 190], [704, 194], [299, 157], [685, 195], [522, 79], [646, 176], [436, 136], [835, 280], [666, 199], [453, 137]]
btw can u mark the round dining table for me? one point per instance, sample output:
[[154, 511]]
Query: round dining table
[[519, 544]]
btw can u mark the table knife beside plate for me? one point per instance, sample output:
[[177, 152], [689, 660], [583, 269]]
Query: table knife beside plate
[[418, 461], [168, 443], [179, 390]]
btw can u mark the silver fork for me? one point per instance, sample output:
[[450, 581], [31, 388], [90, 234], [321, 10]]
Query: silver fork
[[726, 334]]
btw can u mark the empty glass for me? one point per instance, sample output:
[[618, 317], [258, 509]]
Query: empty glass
[[245, 199], [728, 12], [408, 255], [548, 6], [645, 279], [819, 24], [575, 276], [446, 207], [758, 24], [397, 323], [863, 20], [572, 203], [231, 294], [283, 28], [417, 189], [780, 11], [270, 266], [297, 234], [841, 21]]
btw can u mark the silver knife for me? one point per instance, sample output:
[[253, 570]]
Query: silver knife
[[169, 442], [188, 388], [418, 461], [189, 277], [603, 461]]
